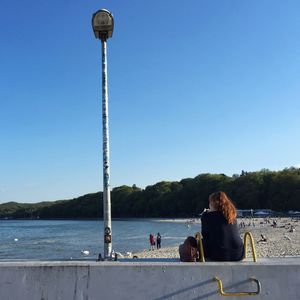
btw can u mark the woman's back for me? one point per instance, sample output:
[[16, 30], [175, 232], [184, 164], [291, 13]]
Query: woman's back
[[221, 240]]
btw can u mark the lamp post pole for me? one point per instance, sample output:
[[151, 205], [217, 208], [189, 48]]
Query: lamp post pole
[[106, 166], [103, 25]]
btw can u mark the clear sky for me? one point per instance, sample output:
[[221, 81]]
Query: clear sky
[[194, 87]]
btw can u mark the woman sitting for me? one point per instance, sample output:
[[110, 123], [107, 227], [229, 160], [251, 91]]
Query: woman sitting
[[221, 239]]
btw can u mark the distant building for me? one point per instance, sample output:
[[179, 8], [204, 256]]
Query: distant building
[[294, 213], [254, 212], [263, 212], [244, 212]]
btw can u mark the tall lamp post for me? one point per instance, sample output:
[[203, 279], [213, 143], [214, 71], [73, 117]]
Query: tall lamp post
[[103, 25]]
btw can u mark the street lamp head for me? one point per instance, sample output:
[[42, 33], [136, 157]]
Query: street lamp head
[[103, 24]]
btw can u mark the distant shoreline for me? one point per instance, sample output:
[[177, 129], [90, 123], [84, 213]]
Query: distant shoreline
[[158, 219]]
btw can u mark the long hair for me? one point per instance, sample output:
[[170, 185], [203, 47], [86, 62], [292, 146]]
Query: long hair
[[222, 203]]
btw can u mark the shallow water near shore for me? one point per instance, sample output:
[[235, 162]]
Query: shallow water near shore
[[66, 239]]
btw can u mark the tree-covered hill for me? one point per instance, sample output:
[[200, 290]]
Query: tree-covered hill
[[279, 191]]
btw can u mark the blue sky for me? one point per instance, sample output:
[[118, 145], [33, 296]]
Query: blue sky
[[194, 87]]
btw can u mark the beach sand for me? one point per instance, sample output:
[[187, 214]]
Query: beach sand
[[280, 241]]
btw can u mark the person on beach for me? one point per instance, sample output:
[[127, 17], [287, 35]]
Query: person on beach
[[158, 241], [220, 234], [263, 239], [188, 250], [152, 241]]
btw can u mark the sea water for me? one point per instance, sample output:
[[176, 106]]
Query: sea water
[[67, 239]]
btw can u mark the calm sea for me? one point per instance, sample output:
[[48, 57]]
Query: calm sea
[[47, 240]]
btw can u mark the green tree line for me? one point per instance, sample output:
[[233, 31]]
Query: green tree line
[[276, 190]]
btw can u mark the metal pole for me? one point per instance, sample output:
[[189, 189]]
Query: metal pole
[[106, 168]]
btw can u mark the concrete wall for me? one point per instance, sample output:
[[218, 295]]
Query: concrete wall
[[156, 280]]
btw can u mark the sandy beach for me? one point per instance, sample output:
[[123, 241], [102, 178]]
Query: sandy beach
[[280, 241]]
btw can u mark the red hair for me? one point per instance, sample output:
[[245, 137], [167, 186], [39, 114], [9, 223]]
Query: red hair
[[221, 202]]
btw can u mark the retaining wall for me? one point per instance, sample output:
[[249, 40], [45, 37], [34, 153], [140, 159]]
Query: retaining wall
[[146, 279]]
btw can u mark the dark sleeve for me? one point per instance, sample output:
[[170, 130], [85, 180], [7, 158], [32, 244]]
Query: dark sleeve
[[204, 226]]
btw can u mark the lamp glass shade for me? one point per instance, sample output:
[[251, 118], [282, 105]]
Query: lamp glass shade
[[103, 19], [103, 24]]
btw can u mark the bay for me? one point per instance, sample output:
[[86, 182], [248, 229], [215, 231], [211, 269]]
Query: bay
[[66, 239]]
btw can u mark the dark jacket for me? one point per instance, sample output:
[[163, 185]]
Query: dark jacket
[[221, 241]]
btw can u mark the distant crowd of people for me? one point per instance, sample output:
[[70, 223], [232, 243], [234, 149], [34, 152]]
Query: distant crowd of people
[[243, 224], [266, 221]]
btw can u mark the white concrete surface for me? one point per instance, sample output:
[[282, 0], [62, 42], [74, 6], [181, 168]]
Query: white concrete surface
[[147, 279]]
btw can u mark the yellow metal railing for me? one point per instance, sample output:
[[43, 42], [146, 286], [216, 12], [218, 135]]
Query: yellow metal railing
[[237, 294], [200, 246], [249, 236]]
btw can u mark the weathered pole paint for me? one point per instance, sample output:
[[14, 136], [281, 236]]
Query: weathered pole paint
[[106, 167]]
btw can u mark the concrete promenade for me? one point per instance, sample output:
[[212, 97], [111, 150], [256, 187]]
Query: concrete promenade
[[148, 279]]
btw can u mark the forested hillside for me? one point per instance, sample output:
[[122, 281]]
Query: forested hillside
[[279, 191]]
